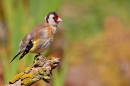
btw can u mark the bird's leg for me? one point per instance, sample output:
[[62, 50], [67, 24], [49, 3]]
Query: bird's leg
[[37, 55]]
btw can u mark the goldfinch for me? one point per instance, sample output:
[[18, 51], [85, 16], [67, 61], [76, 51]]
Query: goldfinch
[[40, 37]]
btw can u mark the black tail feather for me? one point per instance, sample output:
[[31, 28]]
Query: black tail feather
[[28, 47], [24, 53], [15, 57]]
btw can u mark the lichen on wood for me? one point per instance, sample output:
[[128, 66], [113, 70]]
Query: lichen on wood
[[41, 69]]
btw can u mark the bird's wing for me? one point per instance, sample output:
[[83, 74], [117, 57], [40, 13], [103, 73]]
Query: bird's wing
[[27, 43], [32, 35], [30, 40]]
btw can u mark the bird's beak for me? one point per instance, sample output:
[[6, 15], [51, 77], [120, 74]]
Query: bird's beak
[[59, 20]]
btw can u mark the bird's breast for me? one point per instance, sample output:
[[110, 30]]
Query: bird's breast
[[44, 41], [51, 31], [47, 43]]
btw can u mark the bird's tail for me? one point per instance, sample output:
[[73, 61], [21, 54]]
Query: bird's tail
[[24, 53], [15, 56]]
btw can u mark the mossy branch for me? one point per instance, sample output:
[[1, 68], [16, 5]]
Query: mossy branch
[[41, 69]]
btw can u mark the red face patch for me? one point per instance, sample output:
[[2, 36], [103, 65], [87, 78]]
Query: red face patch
[[55, 18]]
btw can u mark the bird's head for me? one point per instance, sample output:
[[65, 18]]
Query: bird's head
[[53, 19]]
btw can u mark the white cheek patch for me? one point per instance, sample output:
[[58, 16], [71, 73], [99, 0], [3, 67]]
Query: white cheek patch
[[51, 20]]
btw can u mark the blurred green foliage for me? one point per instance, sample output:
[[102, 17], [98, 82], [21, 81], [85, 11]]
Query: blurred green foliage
[[96, 33], [85, 17], [97, 46]]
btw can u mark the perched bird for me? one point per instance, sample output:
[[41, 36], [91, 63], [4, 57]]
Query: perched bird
[[40, 37]]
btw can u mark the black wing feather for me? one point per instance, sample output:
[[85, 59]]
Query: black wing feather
[[28, 47]]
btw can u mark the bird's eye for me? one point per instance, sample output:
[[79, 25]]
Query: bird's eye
[[54, 18]]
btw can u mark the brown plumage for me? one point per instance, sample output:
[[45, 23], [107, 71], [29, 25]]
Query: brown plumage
[[40, 37]]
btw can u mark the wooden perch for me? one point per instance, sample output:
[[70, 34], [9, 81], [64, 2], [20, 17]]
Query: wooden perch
[[41, 69]]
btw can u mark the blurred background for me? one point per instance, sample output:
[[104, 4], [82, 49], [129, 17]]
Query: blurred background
[[93, 42]]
